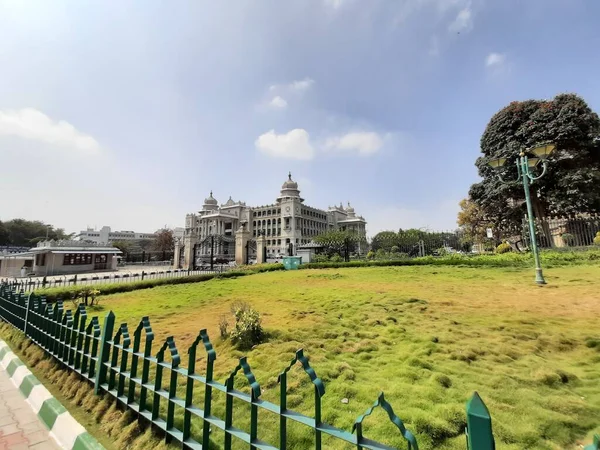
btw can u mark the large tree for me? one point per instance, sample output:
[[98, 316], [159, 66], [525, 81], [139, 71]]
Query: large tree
[[339, 242], [25, 233], [164, 240], [572, 184]]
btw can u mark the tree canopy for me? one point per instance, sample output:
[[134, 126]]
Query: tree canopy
[[26, 233], [164, 240], [572, 183], [338, 242]]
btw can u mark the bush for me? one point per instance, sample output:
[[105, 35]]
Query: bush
[[503, 248], [442, 251], [371, 254], [320, 258], [568, 239], [336, 258], [248, 330], [597, 238], [395, 249]]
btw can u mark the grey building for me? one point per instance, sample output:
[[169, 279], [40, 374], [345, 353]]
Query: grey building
[[286, 224]]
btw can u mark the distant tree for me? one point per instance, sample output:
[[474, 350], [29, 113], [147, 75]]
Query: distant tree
[[384, 240], [164, 240], [124, 246], [4, 235], [572, 184], [472, 220], [23, 232], [338, 242]]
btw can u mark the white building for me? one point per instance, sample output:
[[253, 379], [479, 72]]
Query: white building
[[60, 258], [286, 224], [106, 236]]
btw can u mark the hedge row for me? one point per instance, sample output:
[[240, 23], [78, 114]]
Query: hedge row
[[65, 293], [549, 258]]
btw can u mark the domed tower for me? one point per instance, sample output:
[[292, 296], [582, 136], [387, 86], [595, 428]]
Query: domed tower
[[289, 190], [210, 203], [350, 211], [290, 204]]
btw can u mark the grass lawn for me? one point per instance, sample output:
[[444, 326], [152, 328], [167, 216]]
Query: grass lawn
[[426, 336]]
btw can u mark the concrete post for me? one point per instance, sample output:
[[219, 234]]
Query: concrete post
[[261, 244], [188, 252], [241, 239], [176, 255]]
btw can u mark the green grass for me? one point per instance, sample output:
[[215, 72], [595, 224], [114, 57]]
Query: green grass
[[427, 336]]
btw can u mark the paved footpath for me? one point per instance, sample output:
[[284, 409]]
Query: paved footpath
[[20, 427]]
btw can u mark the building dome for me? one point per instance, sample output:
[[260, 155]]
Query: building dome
[[289, 189], [289, 184], [210, 201], [350, 210]]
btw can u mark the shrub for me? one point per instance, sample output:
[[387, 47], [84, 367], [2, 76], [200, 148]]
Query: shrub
[[371, 255], [223, 327], [442, 251], [395, 249], [568, 239], [336, 258], [503, 248], [248, 330], [597, 238], [320, 258]]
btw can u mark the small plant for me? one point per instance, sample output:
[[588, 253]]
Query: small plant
[[568, 239], [503, 248], [371, 255], [597, 239], [247, 331], [87, 296], [395, 249], [223, 327]]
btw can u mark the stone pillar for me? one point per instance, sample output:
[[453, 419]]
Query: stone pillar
[[261, 244], [176, 254], [188, 252], [241, 239]]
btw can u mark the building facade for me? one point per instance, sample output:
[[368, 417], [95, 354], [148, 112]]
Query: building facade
[[60, 258], [106, 236], [286, 224]]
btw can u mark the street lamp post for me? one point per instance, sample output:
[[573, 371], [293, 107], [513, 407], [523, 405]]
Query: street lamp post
[[525, 165]]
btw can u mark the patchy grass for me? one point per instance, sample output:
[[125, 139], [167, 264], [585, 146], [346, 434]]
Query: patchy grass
[[427, 336]]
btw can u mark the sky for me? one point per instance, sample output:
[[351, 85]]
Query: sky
[[128, 113]]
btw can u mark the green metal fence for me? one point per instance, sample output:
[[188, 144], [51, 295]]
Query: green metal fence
[[117, 364]]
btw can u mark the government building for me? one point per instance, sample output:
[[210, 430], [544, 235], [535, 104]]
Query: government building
[[287, 224]]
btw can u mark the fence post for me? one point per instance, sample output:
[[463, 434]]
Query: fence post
[[28, 300], [479, 425], [595, 445], [107, 332], [143, 273]]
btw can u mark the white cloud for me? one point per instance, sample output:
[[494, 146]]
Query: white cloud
[[294, 144], [495, 59], [296, 85], [335, 4], [31, 124], [278, 102], [365, 143], [302, 85], [463, 21]]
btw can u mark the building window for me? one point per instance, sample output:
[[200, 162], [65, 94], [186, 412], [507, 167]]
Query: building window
[[278, 241], [77, 259], [40, 260]]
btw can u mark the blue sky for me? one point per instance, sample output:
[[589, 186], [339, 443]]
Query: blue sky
[[128, 113]]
